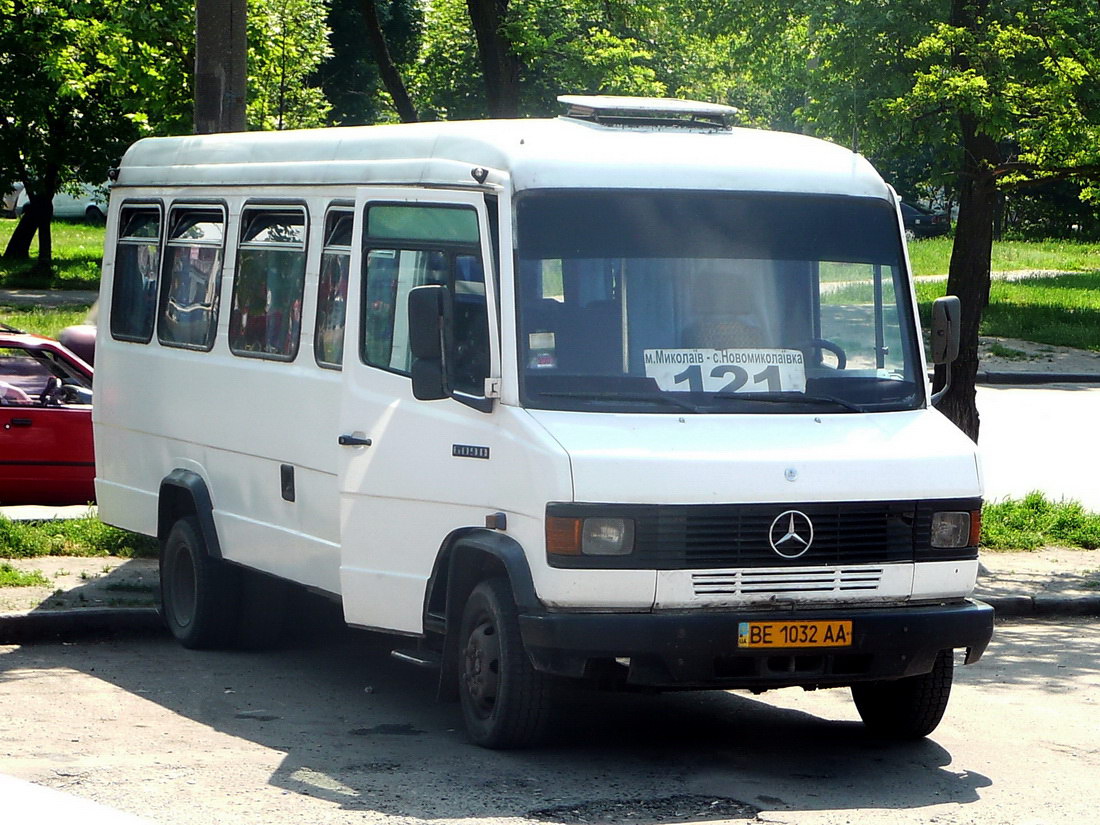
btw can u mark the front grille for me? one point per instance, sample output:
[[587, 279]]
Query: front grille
[[801, 580], [723, 536], [714, 536]]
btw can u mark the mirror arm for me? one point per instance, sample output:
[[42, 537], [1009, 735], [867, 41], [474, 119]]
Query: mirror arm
[[938, 396], [478, 403]]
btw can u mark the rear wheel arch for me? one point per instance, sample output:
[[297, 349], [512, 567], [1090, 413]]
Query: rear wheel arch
[[185, 493]]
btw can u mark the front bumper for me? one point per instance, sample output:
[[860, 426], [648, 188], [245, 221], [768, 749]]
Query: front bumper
[[699, 649]]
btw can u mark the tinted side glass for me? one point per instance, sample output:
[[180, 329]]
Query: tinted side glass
[[137, 260], [409, 246], [192, 276], [266, 319], [328, 342]]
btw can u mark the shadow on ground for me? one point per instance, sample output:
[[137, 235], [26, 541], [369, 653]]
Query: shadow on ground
[[362, 731]]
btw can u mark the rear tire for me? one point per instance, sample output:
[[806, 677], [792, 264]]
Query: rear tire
[[198, 593], [506, 703], [908, 708]]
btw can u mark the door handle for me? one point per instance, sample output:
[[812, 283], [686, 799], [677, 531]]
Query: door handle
[[353, 441], [18, 422]]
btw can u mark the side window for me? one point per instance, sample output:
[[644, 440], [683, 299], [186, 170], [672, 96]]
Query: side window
[[850, 309], [266, 319], [409, 246], [332, 291], [192, 275], [137, 259]]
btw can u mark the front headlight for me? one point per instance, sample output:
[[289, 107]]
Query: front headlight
[[956, 529], [596, 536]]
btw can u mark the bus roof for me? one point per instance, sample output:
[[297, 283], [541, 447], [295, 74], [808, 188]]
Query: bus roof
[[563, 152]]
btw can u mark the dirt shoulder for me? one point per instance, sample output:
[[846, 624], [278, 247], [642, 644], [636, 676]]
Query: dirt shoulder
[[77, 582], [1008, 355]]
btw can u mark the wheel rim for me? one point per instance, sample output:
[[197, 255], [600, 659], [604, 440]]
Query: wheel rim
[[183, 589], [481, 673]]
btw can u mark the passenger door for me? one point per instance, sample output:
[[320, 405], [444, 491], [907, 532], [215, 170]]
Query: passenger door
[[412, 472]]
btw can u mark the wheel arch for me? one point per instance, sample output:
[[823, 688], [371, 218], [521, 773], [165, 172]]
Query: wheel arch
[[466, 558], [182, 493]]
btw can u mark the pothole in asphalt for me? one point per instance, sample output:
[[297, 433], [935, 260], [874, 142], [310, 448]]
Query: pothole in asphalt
[[659, 811]]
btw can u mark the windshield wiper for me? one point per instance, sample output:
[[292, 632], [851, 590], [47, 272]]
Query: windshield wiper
[[619, 396], [789, 398]]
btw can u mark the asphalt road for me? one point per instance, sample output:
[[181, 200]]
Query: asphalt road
[[1041, 437], [333, 731]]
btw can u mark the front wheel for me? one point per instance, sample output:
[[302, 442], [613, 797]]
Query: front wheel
[[906, 708], [506, 703]]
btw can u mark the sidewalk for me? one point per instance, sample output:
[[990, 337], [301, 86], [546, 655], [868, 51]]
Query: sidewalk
[[48, 297], [96, 595]]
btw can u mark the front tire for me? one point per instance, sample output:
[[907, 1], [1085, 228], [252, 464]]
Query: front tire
[[908, 708], [506, 703], [198, 593]]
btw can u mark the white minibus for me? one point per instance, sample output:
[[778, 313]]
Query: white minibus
[[626, 397]]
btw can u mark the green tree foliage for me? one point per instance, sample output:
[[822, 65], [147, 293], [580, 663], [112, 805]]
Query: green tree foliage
[[82, 79], [287, 42], [561, 46], [63, 117], [1004, 89]]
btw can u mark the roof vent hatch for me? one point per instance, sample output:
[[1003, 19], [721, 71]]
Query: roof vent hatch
[[610, 110]]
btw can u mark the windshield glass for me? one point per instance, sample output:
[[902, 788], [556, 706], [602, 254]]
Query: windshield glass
[[713, 302]]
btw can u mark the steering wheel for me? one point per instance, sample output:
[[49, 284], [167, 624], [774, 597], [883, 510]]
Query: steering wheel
[[822, 343], [51, 393]]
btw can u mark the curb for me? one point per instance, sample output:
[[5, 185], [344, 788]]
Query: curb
[[1036, 378], [49, 625], [1042, 606], [46, 625]]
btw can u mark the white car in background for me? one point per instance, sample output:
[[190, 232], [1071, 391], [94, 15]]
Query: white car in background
[[84, 201]]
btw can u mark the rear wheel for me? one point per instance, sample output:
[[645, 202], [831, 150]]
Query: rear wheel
[[906, 708], [198, 593], [506, 703]]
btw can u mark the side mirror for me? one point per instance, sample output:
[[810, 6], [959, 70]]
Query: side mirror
[[428, 307], [946, 323]]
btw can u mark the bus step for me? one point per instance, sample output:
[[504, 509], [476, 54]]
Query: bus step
[[420, 658]]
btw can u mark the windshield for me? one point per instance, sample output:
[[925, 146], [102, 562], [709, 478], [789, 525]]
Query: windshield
[[713, 302]]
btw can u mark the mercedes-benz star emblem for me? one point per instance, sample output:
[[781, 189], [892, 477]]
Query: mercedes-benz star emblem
[[791, 534]]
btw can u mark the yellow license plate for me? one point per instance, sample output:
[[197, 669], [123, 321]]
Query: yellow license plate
[[794, 634]]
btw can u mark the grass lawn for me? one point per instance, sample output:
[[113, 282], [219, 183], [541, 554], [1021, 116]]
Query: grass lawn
[[1035, 521], [87, 536], [77, 254], [1063, 311], [932, 256], [42, 320]]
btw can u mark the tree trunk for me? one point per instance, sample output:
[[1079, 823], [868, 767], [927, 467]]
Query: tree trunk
[[968, 276], [499, 62], [19, 244], [34, 220], [221, 49], [45, 242], [387, 69]]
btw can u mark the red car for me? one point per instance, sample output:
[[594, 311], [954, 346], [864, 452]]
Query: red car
[[46, 454]]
